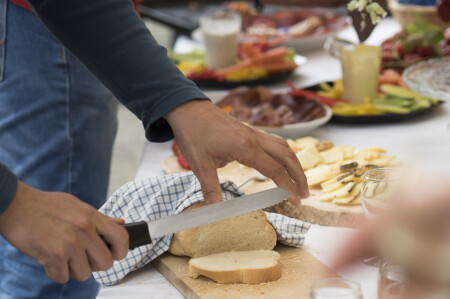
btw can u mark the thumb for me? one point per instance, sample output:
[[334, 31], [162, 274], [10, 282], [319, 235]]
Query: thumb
[[209, 181], [117, 220]]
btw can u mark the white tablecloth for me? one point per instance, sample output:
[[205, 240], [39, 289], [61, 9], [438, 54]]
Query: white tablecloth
[[425, 141]]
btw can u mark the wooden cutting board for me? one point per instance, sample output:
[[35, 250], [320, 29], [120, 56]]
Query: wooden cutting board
[[311, 210], [299, 270]]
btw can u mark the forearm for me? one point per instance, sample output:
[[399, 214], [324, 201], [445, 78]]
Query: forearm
[[110, 38], [8, 187]]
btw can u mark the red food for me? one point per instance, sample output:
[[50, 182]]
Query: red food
[[312, 95], [387, 55], [175, 149], [443, 9], [259, 106], [412, 57], [207, 74], [182, 161], [425, 51], [406, 47]]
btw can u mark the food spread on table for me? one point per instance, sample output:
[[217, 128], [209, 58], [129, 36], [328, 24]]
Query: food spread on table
[[393, 98], [334, 170], [415, 42], [292, 24], [260, 107], [337, 170], [256, 60]]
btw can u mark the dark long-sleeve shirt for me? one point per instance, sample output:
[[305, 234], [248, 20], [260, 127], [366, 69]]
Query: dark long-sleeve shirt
[[110, 38]]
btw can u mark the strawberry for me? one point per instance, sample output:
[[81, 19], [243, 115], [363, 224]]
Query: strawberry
[[182, 161]]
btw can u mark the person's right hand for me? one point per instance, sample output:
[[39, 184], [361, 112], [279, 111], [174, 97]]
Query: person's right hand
[[210, 139], [62, 233]]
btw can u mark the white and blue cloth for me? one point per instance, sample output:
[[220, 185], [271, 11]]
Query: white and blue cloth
[[157, 197]]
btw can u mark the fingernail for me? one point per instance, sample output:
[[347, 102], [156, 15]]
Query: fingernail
[[294, 200]]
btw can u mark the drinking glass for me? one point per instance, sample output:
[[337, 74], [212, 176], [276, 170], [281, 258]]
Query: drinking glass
[[391, 281], [335, 288], [380, 188], [220, 34], [360, 70]]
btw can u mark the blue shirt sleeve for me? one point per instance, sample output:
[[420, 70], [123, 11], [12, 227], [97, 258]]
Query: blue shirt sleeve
[[8, 187], [114, 43]]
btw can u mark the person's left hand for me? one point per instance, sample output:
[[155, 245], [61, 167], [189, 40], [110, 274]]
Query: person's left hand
[[209, 139]]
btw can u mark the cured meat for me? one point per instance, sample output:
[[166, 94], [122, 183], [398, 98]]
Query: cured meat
[[260, 107]]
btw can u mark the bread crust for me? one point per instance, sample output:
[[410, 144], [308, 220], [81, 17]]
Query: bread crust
[[248, 276], [225, 235]]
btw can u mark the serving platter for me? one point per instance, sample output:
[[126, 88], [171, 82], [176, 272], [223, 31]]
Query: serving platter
[[287, 131], [299, 129], [430, 78], [216, 84], [383, 118], [378, 119], [271, 79]]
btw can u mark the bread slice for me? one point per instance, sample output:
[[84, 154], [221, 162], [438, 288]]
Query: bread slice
[[250, 231], [255, 266]]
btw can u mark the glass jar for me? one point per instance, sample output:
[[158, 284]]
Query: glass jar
[[360, 70]]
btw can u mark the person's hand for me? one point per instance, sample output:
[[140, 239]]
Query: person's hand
[[209, 139], [409, 234], [62, 233]]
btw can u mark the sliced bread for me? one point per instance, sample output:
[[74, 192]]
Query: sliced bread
[[255, 266], [250, 231]]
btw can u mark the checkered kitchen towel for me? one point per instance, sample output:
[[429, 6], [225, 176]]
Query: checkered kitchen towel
[[154, 198]]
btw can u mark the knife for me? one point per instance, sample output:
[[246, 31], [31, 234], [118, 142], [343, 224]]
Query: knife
[[143, 232]]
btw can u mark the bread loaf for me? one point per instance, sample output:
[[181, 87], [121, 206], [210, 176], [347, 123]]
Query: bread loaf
[[250, 231], [255, 266]]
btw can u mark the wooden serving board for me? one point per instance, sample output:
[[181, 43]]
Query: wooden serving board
[[311, 210], [299, 270]]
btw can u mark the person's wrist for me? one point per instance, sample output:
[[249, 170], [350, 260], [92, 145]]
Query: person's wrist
[[189, 109], [12, 208]]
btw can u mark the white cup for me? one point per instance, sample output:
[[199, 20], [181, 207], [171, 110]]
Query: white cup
[[220, 34]]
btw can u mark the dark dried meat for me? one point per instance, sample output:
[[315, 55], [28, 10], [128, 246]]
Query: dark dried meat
[[260, 107]]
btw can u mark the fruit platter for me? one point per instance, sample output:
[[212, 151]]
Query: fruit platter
[[259, 62], [415, 42]]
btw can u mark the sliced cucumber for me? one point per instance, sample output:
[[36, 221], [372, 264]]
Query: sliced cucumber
[[395, 90], [420, 104], [392, 108]]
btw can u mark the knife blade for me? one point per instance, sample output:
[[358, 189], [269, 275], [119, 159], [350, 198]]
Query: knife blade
[[143, 232]]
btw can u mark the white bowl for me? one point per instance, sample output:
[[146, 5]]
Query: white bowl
[[298, 130], [293, 131]]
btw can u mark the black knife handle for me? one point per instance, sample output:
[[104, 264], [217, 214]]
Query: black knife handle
[[138, 233]]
